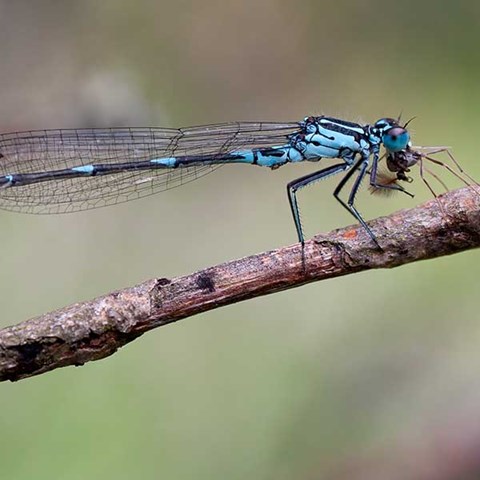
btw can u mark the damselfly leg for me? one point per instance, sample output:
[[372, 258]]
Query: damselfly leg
[[302, 182], [361, 165], [381, 182], [295, 185]]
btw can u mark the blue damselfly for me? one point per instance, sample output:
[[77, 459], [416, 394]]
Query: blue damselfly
[[66, 170]]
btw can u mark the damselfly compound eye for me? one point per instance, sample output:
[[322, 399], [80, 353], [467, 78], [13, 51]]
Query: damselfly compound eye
[[396, 139]]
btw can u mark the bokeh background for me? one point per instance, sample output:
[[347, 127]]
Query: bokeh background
[[372, 376]]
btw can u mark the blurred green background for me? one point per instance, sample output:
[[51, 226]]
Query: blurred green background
[[372, 376]]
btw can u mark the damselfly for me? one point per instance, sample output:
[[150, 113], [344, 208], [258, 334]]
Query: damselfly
[[59, 171]]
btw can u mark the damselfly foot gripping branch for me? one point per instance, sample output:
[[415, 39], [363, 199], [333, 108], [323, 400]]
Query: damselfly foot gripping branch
[[59, 171]]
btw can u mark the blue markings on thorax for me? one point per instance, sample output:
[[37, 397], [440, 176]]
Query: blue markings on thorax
[[328, 143], [167, 162], [317, 124], [87, 169]]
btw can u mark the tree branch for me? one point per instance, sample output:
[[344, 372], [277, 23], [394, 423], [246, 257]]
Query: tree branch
[[95, 329]]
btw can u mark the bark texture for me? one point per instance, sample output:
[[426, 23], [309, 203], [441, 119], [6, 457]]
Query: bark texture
[[95, 329]]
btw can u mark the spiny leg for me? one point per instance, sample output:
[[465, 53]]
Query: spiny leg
[[452, 158], [425, 181], [446, 150], [361, 165], [437, 178], [422, 176], [460, 175], [302, 182], [450, 169]]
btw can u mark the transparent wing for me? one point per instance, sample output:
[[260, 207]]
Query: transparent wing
[[50, 150]]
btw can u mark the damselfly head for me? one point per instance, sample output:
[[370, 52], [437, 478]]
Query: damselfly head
[[394, 137]]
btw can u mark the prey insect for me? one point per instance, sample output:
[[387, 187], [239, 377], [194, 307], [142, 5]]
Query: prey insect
[[400, 163]]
